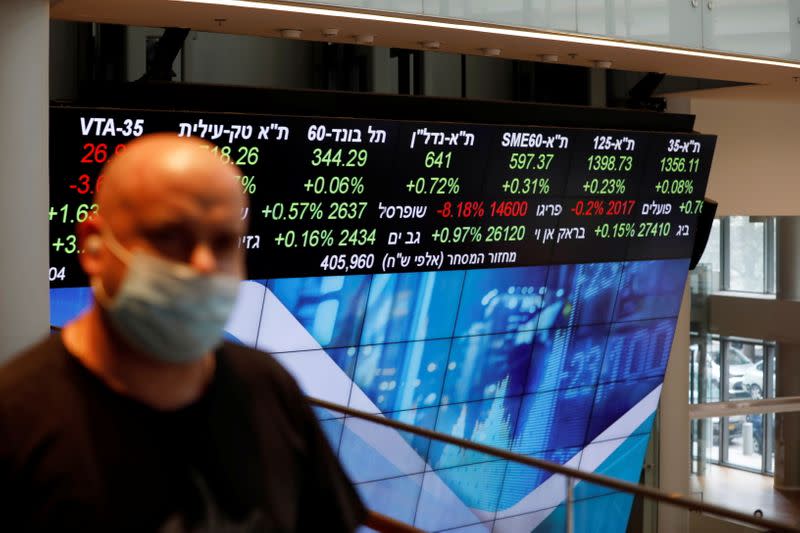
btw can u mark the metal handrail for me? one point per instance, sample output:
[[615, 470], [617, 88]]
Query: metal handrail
[[386, 524], [679, 500], [782, 404]]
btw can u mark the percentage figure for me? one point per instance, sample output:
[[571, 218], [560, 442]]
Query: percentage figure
[[675, 187], [691, 207], [248, 184], [587, 208], [294, 211], [434, 185], [458, 234], [335, 185], [526, 186], [620, 230], [605, 186], [471, 209]]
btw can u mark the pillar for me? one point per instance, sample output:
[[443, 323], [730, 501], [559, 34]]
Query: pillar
[[787, 365], [24, 296], [674, 446], [597, 87]]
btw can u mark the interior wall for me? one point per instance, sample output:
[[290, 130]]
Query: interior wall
[[755, 163], [223, 59], [24, 168], [252, 61], [489, 78], [442, 74], [674, 449], [63, 59], [263, 62], [384, 71]]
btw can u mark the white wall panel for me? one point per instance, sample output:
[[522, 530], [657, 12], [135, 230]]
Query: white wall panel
[[407, 6], [676, 22], [548, 14], [753, 27]]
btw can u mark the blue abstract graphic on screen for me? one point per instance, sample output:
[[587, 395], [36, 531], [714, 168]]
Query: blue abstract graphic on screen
[[563, 363]]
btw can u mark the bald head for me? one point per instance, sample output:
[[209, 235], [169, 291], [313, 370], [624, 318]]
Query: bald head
[[171, 197], [155, 164]]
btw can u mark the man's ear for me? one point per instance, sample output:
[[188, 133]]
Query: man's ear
[[90, 244], [93, 244]]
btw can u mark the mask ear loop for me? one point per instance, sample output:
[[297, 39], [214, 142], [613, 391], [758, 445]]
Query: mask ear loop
[[100, 294], [119, 251]]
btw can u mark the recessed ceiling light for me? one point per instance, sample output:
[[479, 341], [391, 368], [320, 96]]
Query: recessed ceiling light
[[330, 32], [549, 58], [602, 63], [431, 45], [493, 30], [491, 52], [291, 34], [365, 39]]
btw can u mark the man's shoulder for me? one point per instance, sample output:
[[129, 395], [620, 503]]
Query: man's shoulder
[[31, 369], [259, 368], [269, 387], [33, 384]]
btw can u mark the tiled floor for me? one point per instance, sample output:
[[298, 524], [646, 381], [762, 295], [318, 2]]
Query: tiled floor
[[746, 491]]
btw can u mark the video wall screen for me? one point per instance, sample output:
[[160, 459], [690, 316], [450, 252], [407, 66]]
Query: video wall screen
[[517, 286]]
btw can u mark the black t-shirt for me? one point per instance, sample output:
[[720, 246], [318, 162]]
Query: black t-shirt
[[249, 455]]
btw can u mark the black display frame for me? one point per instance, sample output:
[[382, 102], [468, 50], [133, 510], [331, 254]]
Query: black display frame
[[306, 102]]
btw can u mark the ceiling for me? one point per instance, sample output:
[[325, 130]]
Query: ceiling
[[409, 31], [786, 93]]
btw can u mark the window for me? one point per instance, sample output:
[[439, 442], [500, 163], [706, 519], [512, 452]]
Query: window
[[705, 441], [770, 442], [742, 373], [704, 378], [746, 266], [734, 369], [739, 256], [711, 262]]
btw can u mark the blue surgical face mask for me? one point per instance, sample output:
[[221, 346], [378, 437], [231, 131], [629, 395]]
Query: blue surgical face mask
[[167, 310]]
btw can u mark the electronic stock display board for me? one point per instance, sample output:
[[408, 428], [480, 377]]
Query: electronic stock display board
[[513, 285]]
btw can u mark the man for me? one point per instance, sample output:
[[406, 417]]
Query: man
[[132, 419]]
